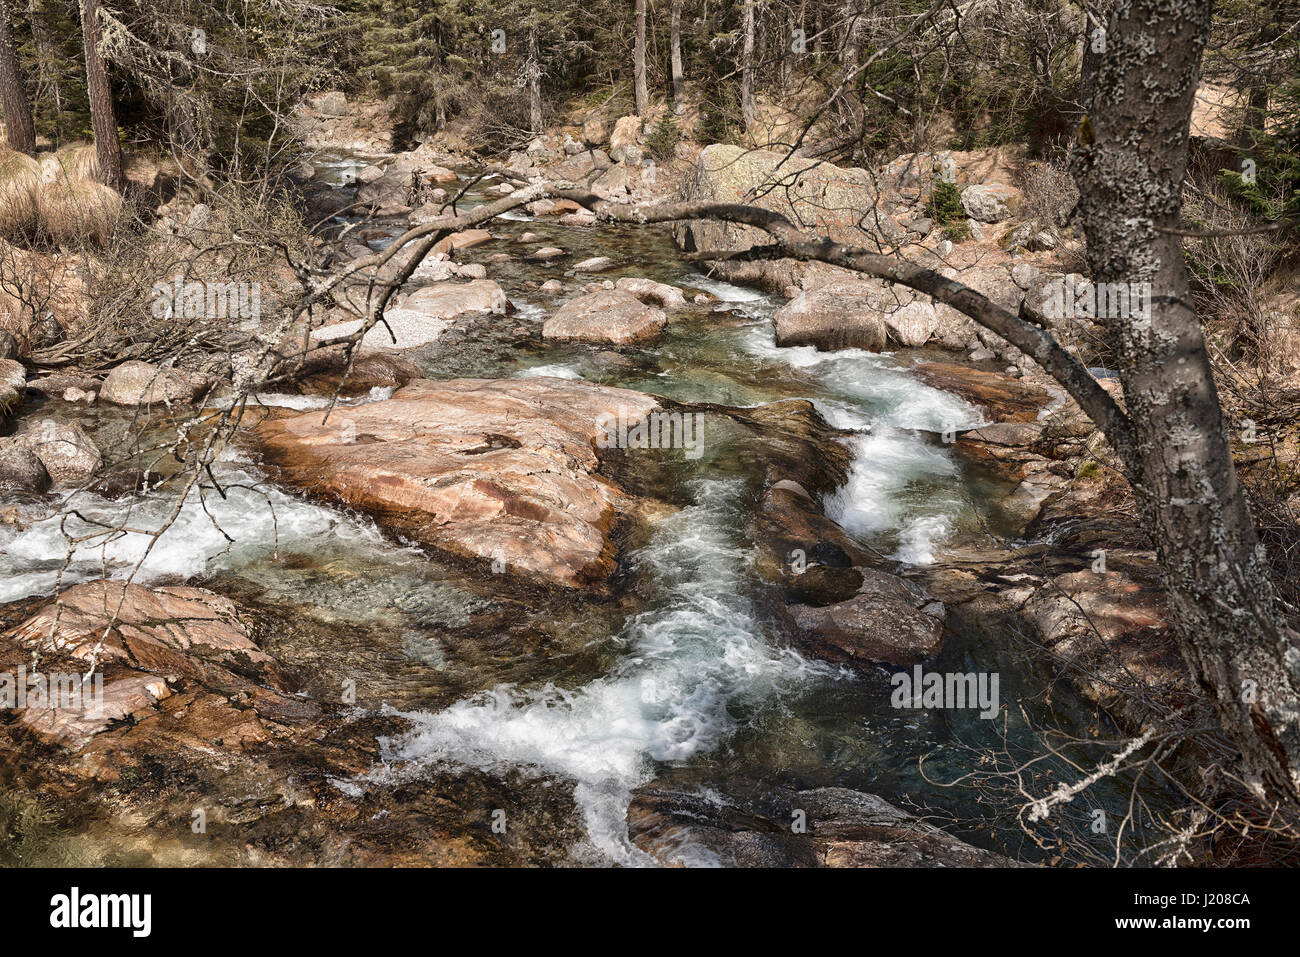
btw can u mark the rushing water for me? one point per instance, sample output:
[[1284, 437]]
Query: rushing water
[[686, 671], [702, 674], [692, 668]]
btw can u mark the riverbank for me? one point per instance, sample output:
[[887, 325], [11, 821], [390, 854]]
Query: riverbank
[[442, 624]]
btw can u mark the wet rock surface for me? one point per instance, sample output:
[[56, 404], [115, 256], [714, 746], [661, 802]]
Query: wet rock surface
[[533, 575], [882, 623], [503, 470], [839, 828], [614, 317], [1004, 398]]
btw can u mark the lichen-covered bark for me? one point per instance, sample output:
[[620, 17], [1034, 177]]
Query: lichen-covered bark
[[13, 93], [102, 118], [1129, 166]]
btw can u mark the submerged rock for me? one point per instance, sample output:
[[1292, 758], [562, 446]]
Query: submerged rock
[[607, 316], [844, 828], [547, 253], [20, 468], [595, 264], [498, 471], [882, 624]]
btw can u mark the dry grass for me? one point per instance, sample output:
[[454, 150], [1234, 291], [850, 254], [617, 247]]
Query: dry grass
[[20, 182], [78, 212], [74, 161], [56, 200]]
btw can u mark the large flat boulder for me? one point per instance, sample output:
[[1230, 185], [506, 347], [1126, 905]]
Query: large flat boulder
[[502, 471], [612, 316], [155, 629], [1003, 398], [421, 317], [839, 315], [821, 197], [147, 645]]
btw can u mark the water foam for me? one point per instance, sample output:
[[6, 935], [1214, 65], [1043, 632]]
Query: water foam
[[554, 370], [258, 517], [900, 482], [692, 664]]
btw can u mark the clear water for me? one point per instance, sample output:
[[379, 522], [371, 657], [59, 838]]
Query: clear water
[[686, 671]]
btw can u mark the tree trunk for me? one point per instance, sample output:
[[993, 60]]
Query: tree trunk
[[1260, 85], [13, 91], [851, 63], [1129, 166], [1094, 52], [787, 54], [102, 120], [748, 114], [43, 56], [534, 83], [675, 56], [641, 92]]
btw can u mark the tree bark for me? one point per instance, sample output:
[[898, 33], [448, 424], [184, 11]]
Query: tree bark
[[851, 64], [102, 120], [1094, 52], [1260, 84], [534, 83], [1129, 166], [675, 56], [641, 92], [748, 113], [13, 91], [787, 54]]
